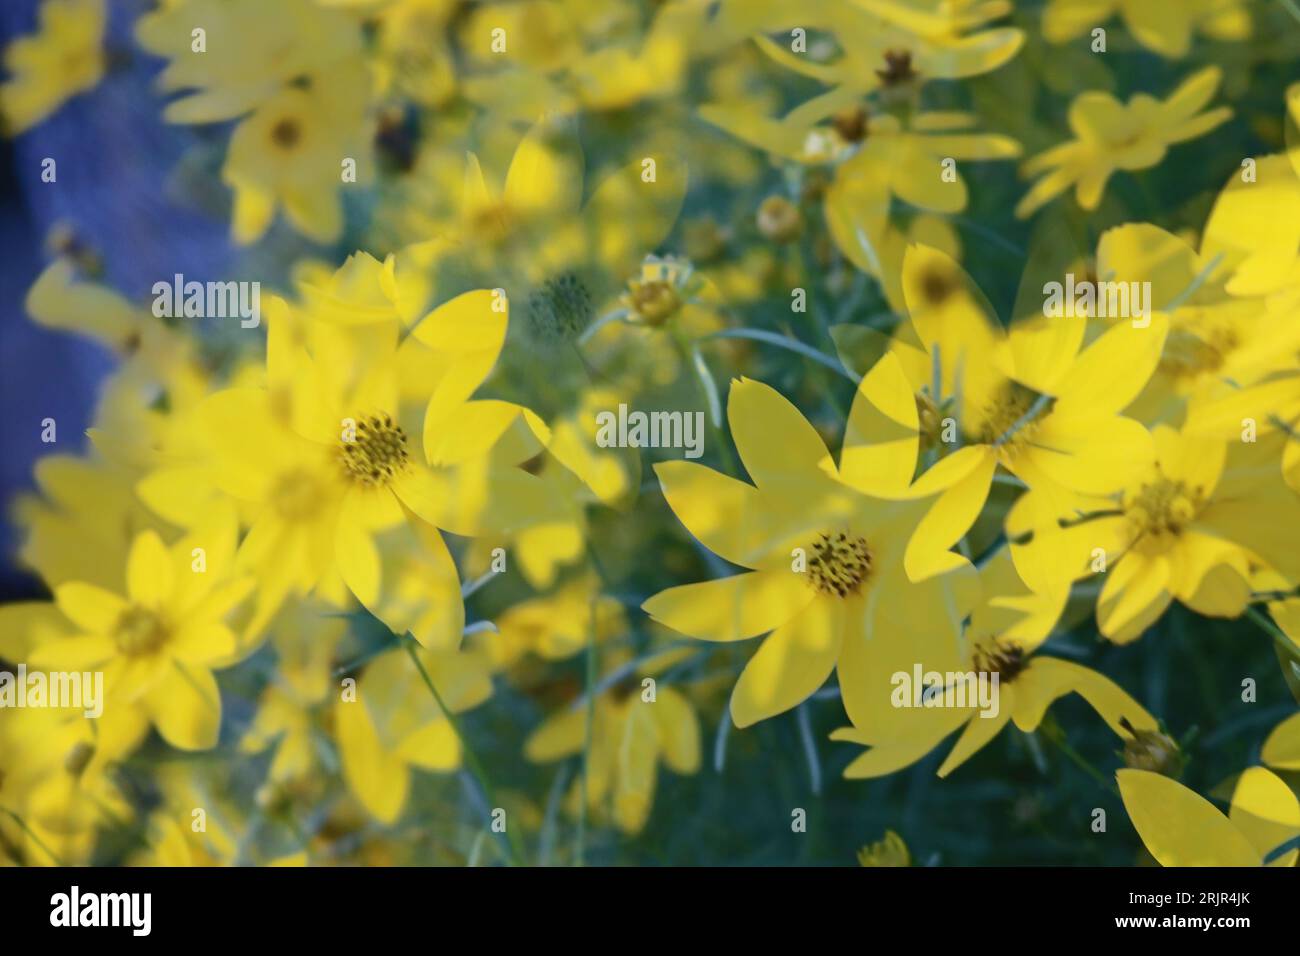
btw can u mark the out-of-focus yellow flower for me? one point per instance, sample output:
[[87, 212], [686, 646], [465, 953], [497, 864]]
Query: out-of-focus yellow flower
[[826, 571], [878, 158], [1163, 26], [883, 44], [1214, 336], [636, 723], [63, 58], [1110, 136], [250, 52], [557, 625], [890, 850], [158, 643], [80, 524], [1030, 399], [393, 723], [304, 635], [290, 153], [563, 55], [322, 460], [1181, 828], [1003, 634], [1189, 528], [55, 763]]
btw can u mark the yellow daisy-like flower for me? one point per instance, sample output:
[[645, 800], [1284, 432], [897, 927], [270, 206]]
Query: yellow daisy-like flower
[[1164, 26], [635, 726], [56, 763], [1191, 527], [250, 52], [883, 44], [1003, 634], [290, 152], [1110, 136], [63, 58], [1181, 828], [878, 159], [158, 642], [825, 559], [1031, 399], [391, 723]]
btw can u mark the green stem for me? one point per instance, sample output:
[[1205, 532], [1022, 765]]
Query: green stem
[[476, 769], [22, 824], [1266, 623], [581, 853]]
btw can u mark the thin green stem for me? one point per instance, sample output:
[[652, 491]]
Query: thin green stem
[[476, 769], [22, 824], [1278, 635], [581, 853]]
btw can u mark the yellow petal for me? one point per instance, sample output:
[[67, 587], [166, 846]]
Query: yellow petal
[[149, 571], [1267, 812], [792, 663], [734, 608], [185, 706], [1179, 827]]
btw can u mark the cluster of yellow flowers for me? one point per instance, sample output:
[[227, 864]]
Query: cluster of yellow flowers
[[309, 556]]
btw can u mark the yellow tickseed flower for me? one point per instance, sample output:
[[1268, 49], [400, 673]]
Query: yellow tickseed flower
[[1003, 634], [158, 642], [1181, 828], [1110, 136], [882, 44], [63, 58], [1190, 527], [825, 556], [251, 52], [289, 152], [1163, 26], [1032, 400], [635, 727], [393, 723], [890, 850]]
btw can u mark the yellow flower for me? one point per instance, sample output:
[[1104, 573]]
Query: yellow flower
[[538, 217], [336, 492], [878, 158], [558, 625], [1215, 335], [890, 850], [305, 635], [883, 44], [1003, 634], [1163, 26], [394, 724], [1181, 828], [1189, 528], [634, 727], [566, 55], [1030, 399], [80, 524], [290, 152], [251, 52], [1111, 136], [825, 559], [55, 763], [63, 58], [157, 643]]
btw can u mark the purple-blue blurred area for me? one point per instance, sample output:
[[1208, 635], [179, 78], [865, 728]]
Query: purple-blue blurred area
[[117, 190]]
